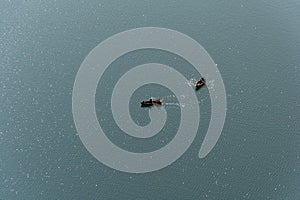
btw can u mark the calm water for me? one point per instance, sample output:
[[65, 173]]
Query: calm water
[[256, 46]]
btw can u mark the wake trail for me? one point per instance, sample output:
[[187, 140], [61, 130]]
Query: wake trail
[[191, 82]]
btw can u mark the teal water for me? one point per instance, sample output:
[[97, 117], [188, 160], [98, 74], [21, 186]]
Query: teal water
[[256, 46]]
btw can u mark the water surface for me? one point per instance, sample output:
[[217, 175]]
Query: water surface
[[256, 46]]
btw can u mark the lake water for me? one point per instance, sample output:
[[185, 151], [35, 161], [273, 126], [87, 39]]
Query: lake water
[[256, 45]]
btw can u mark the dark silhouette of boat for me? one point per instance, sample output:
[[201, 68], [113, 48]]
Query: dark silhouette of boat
[[200, 83], [151, 102]]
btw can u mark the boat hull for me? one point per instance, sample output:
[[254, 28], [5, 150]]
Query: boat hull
[[151, 103]]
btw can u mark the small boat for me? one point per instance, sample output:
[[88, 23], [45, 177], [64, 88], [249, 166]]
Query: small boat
[[200, 83], [151, 102]]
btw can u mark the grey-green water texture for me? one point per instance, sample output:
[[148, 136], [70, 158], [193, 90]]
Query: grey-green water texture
[[256, 45]]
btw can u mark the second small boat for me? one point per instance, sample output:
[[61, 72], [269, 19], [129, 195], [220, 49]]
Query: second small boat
[[200, 83]]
